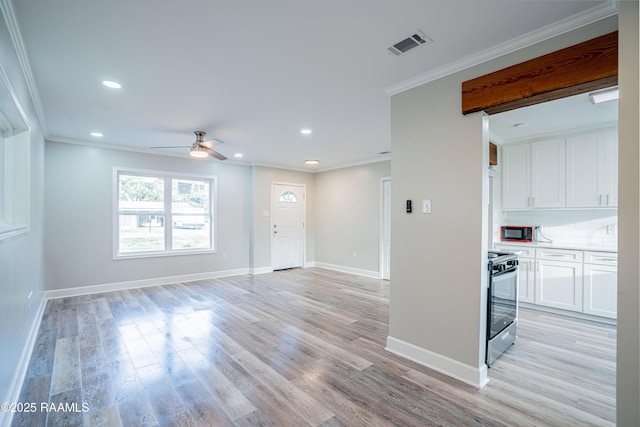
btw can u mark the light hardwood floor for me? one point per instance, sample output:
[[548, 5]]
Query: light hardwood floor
[[294, 348]]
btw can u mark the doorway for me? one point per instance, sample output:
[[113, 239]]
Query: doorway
[[288, 204]]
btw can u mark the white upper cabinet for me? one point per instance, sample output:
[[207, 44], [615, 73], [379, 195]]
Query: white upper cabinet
[[548, 174], [516, 182], [534, 175], [592, 170]]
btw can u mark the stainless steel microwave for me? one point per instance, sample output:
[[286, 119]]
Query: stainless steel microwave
[[516, 233]]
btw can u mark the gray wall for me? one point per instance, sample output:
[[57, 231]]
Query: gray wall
[[262, 179], [21, 259], [438, 260], [348, 216], [79, 217], [628, 363]]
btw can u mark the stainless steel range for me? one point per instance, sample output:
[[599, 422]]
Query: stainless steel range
[[502, 310]]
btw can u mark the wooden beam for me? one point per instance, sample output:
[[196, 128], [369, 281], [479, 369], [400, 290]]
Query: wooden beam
[[581, 68]]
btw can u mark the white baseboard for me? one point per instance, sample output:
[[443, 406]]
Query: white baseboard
[[261, 270], [309, 264], [119, 286], [350, 270], [476, 377], [13, 394]]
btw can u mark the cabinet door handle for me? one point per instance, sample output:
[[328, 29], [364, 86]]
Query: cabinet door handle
[[607, 200], [599, 258], [600, 199], [533, 201]]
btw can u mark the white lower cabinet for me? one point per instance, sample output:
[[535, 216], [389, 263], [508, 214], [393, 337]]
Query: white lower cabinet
[[581, 281], [559, 284], [600, 284], [526, 282]]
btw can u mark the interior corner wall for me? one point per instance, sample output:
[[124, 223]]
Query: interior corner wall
[[628, 351], [262, 178], [21, 260], [79, 217], [348, 216], [439, 260]]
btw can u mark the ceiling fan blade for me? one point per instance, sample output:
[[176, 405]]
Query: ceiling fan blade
[[210, 143], [174, 146], [215, 154]]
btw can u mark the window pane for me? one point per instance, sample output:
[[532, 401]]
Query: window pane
[[141, 214], [141, 232], [190, 197], [191, 232], [288, 196], [141, 189], [190, 207]]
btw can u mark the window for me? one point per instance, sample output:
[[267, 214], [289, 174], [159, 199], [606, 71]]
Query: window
[[289, 197], [158, 213], [15, 141]]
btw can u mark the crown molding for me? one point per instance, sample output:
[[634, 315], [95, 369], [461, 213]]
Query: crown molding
[[563, 26], [8, 12]]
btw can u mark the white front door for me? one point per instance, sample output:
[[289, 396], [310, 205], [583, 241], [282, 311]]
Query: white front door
[[287, 228], [386, 229]]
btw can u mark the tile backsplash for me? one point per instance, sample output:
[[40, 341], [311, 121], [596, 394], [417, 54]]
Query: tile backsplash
[[597, 229]]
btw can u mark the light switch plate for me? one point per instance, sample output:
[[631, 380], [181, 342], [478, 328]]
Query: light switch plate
[[426, 206]]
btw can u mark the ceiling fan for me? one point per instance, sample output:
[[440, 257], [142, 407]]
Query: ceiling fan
[[201, 148]]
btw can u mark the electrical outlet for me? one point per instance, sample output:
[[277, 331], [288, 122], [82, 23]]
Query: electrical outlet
[[224, 255], [355, 254]]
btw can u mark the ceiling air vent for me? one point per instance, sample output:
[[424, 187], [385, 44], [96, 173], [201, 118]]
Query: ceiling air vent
[[413, 41]]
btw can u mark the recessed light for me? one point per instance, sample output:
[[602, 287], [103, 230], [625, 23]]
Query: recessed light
[[238, 155], [305, 131], [97, 134], [111, 84], [312, 162]]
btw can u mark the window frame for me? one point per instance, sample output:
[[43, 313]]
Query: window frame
[[168, 178], [15, 163]]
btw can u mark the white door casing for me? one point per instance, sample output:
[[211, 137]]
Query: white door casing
[[288, 203], [385, 228]]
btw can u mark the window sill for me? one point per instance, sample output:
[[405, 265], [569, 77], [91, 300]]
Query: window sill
[[136, 255], [7, 231]]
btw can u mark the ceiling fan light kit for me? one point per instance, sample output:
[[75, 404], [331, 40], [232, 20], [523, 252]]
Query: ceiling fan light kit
[[198, 152]]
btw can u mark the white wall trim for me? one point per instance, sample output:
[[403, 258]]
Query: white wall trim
[[309, 264], [261, 270], [381, 228], [350, 270], [119, 286], [574, 22], [13, 394], [18, 45], [476, 377]]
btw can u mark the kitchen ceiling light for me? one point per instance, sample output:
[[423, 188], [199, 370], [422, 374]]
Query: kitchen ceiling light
[[604, 96], [97, 134], [111, 84], [198, 152], [311, 162], [238, 155], [305, 131]]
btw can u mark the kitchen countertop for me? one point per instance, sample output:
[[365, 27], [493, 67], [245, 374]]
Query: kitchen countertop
[[556, 246]]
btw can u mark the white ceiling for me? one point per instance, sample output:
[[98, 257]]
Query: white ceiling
[[572, 113], [253, 73]]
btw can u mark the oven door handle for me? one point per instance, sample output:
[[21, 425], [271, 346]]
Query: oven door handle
[[504, 275]]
